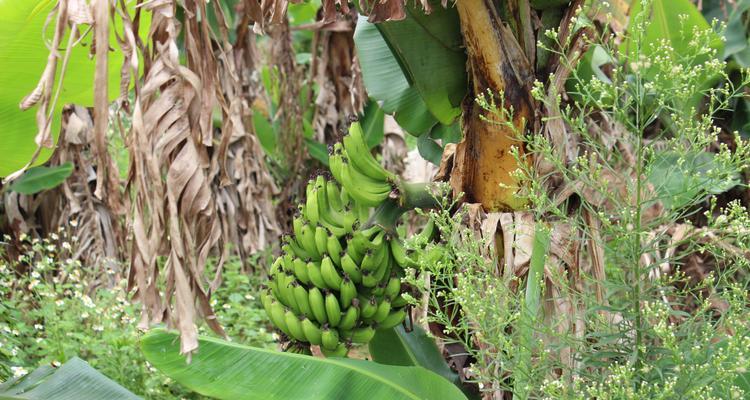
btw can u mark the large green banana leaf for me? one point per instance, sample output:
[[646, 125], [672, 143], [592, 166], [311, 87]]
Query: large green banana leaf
[[386, 82], [224, 370], [415, 68], [23, 56], [396, 346], [74, 380]]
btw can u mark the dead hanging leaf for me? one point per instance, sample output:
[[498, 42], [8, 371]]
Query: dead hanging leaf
[[336, 72], [387, 10]]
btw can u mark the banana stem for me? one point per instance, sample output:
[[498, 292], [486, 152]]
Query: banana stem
[[410, 196], [417, 195]]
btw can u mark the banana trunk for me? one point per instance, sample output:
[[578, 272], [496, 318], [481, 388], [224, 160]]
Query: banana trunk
[[497, 66]]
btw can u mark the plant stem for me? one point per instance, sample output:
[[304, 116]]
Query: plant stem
[[417, 195]]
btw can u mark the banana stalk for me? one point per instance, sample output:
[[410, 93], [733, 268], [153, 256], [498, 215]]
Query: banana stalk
[[497, 65]]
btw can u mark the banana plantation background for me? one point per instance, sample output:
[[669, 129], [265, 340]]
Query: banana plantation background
[[323, 199]]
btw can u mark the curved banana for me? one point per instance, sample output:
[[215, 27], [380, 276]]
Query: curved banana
[[368, 308], [351, 268], [350, 317], [307, 240], [278, 317], [321, 239], [365, 191], [340, 351], [384, 308], [329, 338], [363, 335], [303, 300], [312, 332], [317, 305], [316, 277], [392, 288], [357, 150], [294, 325], [311, 204], [398, 252], [348, 292], [300, 270], [330, 275], [333, 309], [334, 249], [393, 319]]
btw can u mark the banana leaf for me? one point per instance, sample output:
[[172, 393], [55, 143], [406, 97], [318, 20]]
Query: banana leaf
[[386, 83], [74, 380], [225, 370], [37, 179], [23, 56], [396, 346]]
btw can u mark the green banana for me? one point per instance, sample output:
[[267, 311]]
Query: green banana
[[334, 249], [307, 241], [384, 308], [393, 319], [398, 252], [340, 351], [366, 192], [287, 294], [333, 194], [317, 305], [348, 292], [363, 335], [300, 271], [333, 309], [330, 275], [278, 265], [321, 239], [311, 204], [392, 288], [316, 277], [303, 300], [399, 301], [357, 149], [350, 317], [329, 338], [278, 317], [294, 325], [312, 331], [368, 307], [336, 164], [351, 268]]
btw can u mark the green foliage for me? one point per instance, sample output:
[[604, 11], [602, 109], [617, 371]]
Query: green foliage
[[642, 165], [396, 346], [54, 309], [74, 380], [37, 179], [229, 371]]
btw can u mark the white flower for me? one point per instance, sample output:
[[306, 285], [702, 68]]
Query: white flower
[[66, 246], [39, 327], [19, 371], [98, 328], [249, 297], [60, 303]]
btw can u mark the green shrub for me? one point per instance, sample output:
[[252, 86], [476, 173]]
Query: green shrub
[[53, 308]]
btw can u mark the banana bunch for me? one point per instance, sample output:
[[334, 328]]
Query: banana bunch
[[353, 165], [335, 283]]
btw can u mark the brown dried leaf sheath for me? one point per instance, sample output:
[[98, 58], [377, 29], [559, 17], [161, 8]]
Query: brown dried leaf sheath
[[497, 64]]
